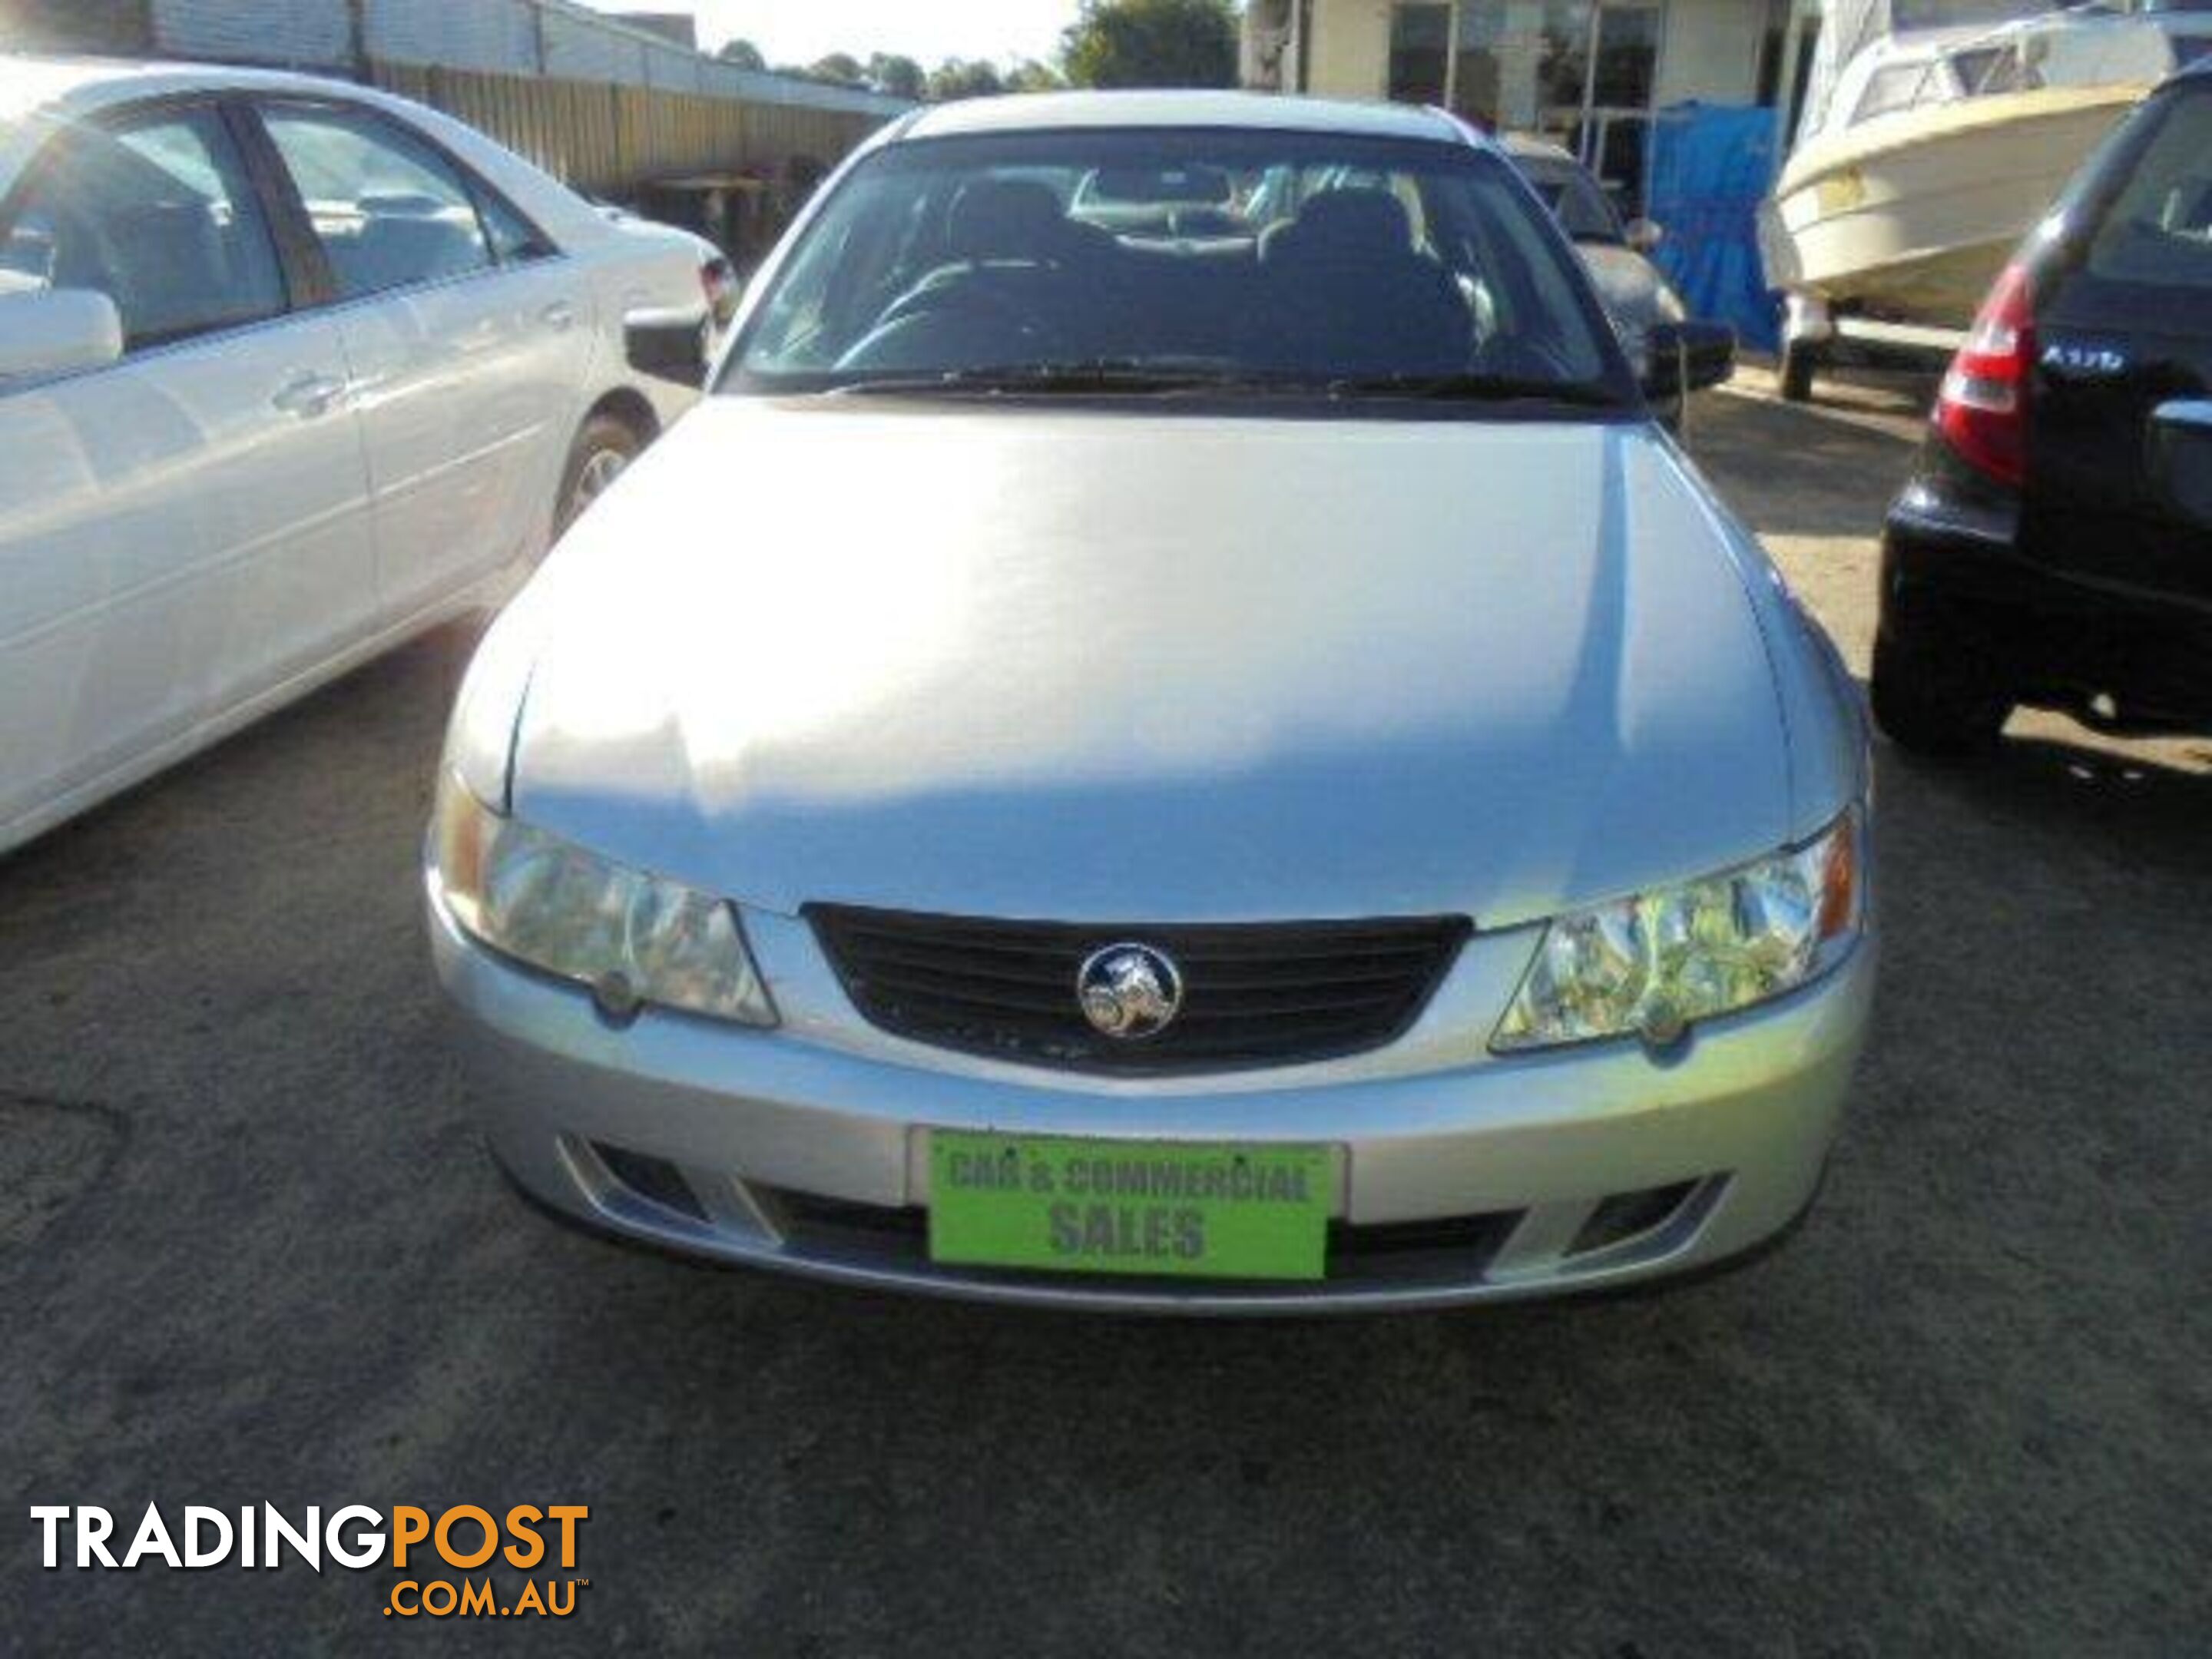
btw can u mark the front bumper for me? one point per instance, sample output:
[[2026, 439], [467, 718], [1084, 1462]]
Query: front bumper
[[1466, 1177]]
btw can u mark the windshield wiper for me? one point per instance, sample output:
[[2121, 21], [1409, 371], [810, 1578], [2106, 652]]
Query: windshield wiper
[[1475, 389]]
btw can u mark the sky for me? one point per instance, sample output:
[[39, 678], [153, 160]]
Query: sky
[[928, 31]]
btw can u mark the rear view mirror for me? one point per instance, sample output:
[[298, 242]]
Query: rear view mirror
[[1681, 357], [56, 330], [2181, 458], [1643, 235]]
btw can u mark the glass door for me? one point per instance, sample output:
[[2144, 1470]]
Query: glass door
[[1608, 125]]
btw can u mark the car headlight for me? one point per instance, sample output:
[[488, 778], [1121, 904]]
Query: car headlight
[[1654, 964], [633, 937]]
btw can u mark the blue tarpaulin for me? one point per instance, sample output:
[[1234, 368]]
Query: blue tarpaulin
[[1711, 164]]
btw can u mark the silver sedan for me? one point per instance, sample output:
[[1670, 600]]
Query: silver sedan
[[1224, 767]]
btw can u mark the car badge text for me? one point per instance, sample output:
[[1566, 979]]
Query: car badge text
[[2084, 361]]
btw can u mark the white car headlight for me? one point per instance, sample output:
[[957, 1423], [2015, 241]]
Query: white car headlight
[[1654, 964], [633, 937]]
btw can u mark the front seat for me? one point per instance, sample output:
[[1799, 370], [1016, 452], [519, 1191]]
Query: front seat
[[168, 270], [1019, 280], [1349, 293], [1010, 221]]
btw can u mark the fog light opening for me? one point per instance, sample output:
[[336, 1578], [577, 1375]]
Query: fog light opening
[[655, 1180], [1630, 1215]]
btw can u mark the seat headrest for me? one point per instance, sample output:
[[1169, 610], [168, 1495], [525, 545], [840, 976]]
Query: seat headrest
[[2192, 208], [169, 269], [1354, 222], [1006, 219]]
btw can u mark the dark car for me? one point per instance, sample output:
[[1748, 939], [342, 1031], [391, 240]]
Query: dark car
[[2054, 546]]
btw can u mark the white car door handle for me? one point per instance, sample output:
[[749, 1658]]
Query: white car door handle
[[309, 395], [559, 315]]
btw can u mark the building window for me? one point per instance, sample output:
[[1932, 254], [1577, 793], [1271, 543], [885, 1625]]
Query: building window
[[1523, 64], [1419, 36], [1627, 57]]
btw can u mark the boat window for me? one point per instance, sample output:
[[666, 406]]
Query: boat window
[[1910, 16], [1987, 70], [1903, 86]]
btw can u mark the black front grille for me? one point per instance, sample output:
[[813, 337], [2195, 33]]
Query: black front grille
[[1271, 994]]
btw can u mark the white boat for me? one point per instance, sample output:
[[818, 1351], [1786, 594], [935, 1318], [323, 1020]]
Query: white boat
[[1927, 154]]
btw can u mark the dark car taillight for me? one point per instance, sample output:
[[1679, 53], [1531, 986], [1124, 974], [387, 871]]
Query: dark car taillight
[[1981, 410]]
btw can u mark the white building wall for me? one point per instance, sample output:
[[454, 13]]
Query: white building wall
[[1350, 56]]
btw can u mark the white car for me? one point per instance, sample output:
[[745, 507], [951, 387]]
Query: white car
[[289, 370], [718, 277]]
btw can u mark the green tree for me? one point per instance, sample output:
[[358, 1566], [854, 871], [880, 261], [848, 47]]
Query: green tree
[[960, 78], [744, 53], [1028, 75], [839, 69], [1153, 43], [901, 77]]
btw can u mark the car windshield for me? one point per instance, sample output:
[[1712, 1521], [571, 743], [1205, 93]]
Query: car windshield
[[1139, 262], [1575, 200]]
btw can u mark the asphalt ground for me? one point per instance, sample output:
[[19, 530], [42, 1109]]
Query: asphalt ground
[[250, 1250]]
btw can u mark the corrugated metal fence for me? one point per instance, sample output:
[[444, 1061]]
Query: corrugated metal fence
[[606, 106], [609, 139]]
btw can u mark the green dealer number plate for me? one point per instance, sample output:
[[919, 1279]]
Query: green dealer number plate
[[1200, 1210]]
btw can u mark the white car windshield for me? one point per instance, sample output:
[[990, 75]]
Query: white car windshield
[[1148, 260]]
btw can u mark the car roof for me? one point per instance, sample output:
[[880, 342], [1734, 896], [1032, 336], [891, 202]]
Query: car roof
[[1052, 112], [1522, 147], [75, 87]]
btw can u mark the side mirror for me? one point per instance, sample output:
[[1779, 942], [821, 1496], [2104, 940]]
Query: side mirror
[[1642, 235], [2181, 458], [671, 343], [56, 330], [1680, 357]]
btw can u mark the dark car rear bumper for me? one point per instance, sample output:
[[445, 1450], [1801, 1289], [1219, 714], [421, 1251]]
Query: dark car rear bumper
[[1953, 575]]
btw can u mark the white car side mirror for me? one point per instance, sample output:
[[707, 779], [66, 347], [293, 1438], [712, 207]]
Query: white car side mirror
[[1643, 235], [56, 330]]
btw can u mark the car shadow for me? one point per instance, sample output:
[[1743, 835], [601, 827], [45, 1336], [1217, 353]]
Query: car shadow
[[1799, 471]]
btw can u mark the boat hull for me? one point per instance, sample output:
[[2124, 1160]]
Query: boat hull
[[1913, 217]]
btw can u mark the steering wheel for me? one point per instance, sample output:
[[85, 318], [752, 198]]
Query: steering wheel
[[924, 337], [973, 296]]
